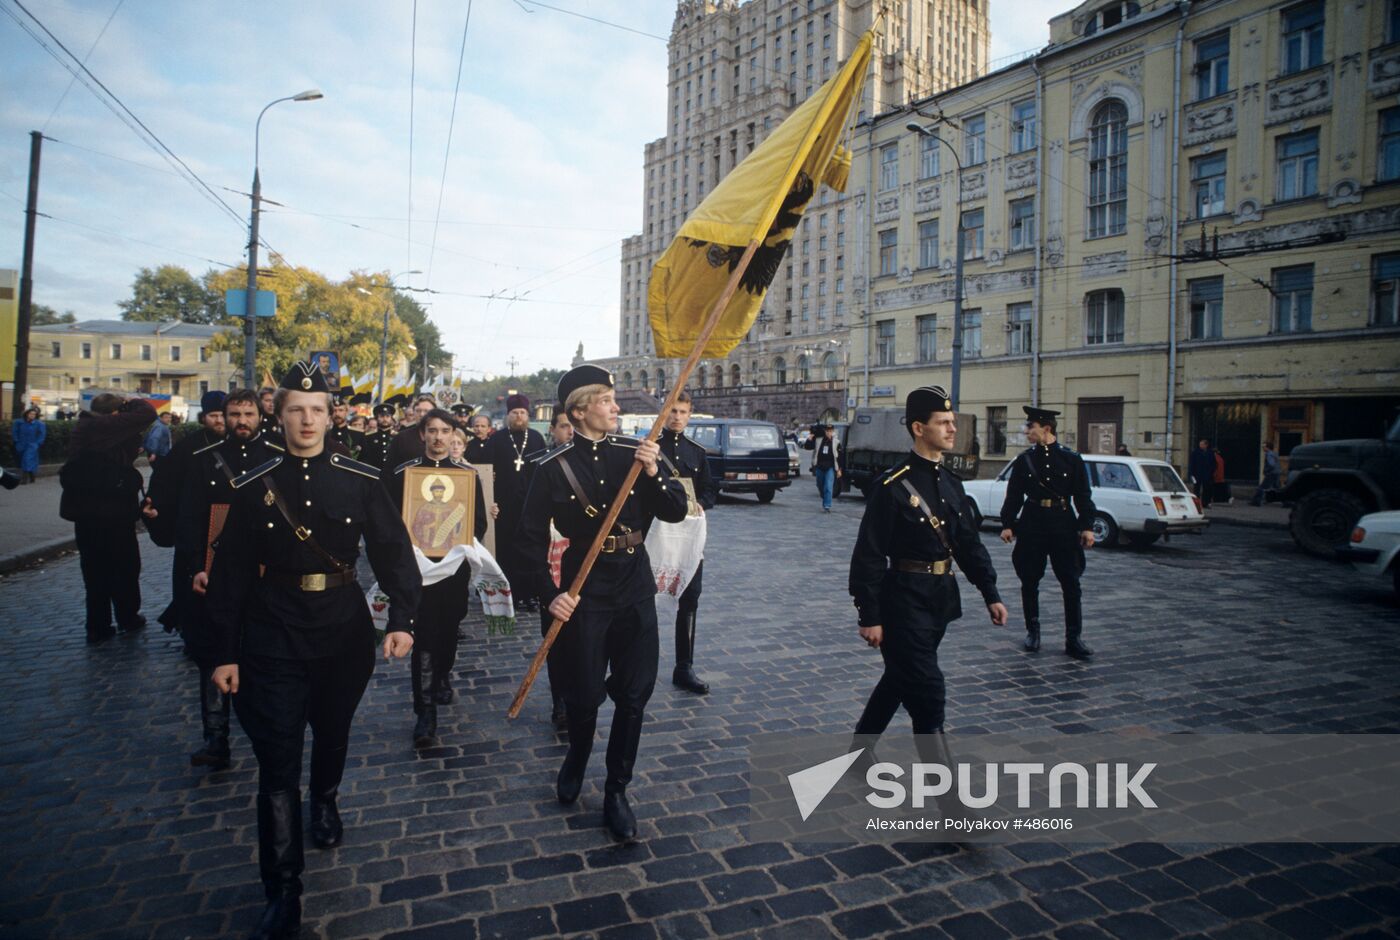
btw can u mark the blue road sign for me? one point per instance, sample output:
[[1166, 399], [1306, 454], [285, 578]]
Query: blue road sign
[[236, 303]]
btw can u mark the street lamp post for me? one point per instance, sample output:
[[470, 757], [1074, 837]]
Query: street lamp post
[[250, 322], [958, 270]]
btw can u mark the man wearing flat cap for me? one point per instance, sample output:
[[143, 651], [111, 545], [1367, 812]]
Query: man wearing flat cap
[[509, 452], [295, 642], [375, 451], [917, 523], [608, 648], [1049, 513]]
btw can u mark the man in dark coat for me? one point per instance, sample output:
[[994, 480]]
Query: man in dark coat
[[295, 636], [378, 443], [826, 462], [1200, 467], [608, 647], [408, 443], [102, 498], [687, 461], [916, 525], [341, 432], [443, 604], [1049, 512], [478, 433], [509, 452]]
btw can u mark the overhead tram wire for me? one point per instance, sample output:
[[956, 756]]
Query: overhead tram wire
[[447, 151], [63, 97], [112, 102]]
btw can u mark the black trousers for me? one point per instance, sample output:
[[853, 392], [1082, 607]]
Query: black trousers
[[278, 698], [441, 608], [912, 677], [606, 654], [110, 561], [508, 555], [1066, 558], [690, 597]]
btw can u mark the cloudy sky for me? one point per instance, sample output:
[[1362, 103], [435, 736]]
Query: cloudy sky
[[542, 182]]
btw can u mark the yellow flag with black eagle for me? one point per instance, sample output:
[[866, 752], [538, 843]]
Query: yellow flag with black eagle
[[762, 198]]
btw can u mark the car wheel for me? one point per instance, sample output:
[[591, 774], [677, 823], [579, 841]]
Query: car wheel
[[1323, 519], [1105, 530], [1142, 539], [766, 496]]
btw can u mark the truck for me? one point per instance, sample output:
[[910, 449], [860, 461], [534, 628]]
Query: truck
[[1332, 484], [877, 440]]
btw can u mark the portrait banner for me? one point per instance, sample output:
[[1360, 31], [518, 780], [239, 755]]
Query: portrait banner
[[439, 508]]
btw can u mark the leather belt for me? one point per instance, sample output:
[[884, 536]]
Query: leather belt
[[1052, 503], [942, 566], [315, 581], [627, 540]]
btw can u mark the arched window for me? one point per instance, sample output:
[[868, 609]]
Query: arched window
[[734, 376], [627, 380], [719, 375], [646, 386], [779, 370], [755, 373], [1108, 170], [829, 367], [760, 415], [804, 368], [701, 376]]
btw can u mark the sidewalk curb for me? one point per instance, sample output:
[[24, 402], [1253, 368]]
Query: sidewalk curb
[[39, 552]]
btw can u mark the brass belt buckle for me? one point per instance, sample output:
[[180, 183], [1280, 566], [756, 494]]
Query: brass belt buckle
[[303, 533], [591, 512], [313, 582], [610, 544]]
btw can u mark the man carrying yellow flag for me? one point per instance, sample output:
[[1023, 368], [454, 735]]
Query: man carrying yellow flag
[[761, 199]]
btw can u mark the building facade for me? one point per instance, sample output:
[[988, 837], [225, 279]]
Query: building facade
[[169, 358], [1180, 220], [736, 70]]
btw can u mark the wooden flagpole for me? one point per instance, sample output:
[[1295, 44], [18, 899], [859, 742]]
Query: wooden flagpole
[[711, 323]]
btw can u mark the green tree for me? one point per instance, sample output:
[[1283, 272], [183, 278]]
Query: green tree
[[169, 292], [426, 337], [43, 315]]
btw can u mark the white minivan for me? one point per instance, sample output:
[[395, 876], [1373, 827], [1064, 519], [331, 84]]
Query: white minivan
[[1140, 498]]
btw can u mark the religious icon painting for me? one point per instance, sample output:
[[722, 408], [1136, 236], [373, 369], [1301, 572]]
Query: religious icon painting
[[439, 508], [329, 363]]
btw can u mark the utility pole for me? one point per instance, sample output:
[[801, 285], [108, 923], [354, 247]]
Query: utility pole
[[26, 277], [513, 363], [250, 319]]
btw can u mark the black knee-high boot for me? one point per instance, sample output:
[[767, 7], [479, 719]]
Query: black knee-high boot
[[684, 674], [327, 767], [424, 706], [213, 714], [280, 862], [582, 726], [623, 740], [1030, 607]]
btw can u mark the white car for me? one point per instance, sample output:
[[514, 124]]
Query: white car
[[1375, 546], [1135, 496]]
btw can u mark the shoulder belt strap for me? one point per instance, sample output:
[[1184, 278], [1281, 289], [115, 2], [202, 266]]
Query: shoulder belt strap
[[675, 471], [354, 466], [408, 463], [208, 447], [248, 477], [896, 475], [929, 514], [302, 533], [589, 509], [275, 446], [224, 468]]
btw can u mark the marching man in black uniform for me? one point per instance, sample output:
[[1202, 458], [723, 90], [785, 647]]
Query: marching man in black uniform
[[510, 452], [611, 625], [444, 604], [686, 460], [1049, 512], [296, 642], [341, 432], [916, 524], [375, 449]]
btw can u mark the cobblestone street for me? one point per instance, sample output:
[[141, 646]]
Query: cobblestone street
[[110, 832]]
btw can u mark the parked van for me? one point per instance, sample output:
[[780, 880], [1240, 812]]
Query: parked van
[[745, 456], [878, 440]]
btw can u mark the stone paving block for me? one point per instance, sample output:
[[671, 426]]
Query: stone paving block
[[667, 899], [516, 925], [745, 916], [973, 926], [591, 913], [451, 907]]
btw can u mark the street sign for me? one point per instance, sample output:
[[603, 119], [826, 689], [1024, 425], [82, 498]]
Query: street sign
[[882, 391], [235, 302]]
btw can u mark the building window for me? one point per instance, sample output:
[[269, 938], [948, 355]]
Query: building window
[[116, 351], [804, 368], [928, 244], [830, 367], [1103, 317], [203, 387], [1212, 66], [1302, 36], [996, 430], [1389, 163], [975, 140], [779, 370], [1108, 170], [1022, 224], [884, 343], [1296, 166], [734, 374], [1392, 22], [1207, 307], [174, 386], [174, 353], [56, 349], [972, 334], [889, 167], [1385, 290], [889, 249], [1018, 329], [87, 350], [1023, 126], [1208, 185], [926, 327], [1293, 299], [204, 354], [928, 156], [116, 381], [973, 230]]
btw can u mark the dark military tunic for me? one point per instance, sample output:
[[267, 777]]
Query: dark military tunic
[[375, 449], [915, 608], [348, 438], [509, 486]]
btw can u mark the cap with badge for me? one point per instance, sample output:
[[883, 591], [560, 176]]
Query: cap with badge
[[924, 401], [212, 401], [305, 377], [461, 410], [580, 377], [1041, 416], [383, 410]]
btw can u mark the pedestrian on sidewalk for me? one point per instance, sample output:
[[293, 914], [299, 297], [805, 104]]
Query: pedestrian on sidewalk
[[29, 433], [826, 462], [1271, 474], [1200, 467], [102, 498], [157, 442]]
